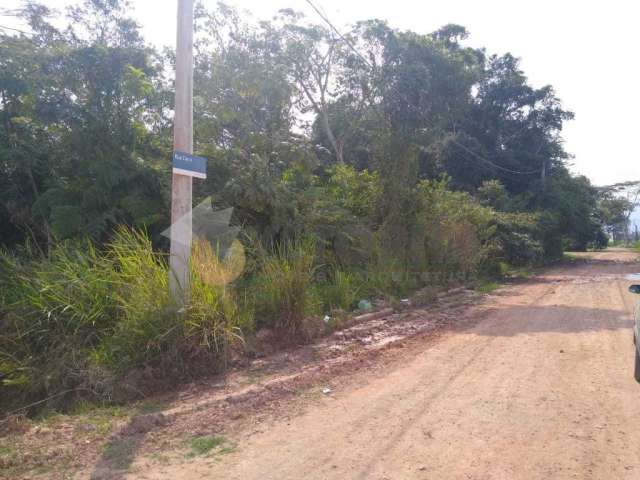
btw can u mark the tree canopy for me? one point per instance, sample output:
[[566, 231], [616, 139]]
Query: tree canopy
[[86, 119]]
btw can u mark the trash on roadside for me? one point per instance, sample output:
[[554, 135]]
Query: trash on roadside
[[364, 304], [326, 390], [327, 319]]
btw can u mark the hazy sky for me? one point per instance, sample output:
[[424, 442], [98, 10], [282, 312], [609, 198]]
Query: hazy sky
[[587, 50]]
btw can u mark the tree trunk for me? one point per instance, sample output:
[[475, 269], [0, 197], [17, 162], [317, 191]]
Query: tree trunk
[[337, 147]]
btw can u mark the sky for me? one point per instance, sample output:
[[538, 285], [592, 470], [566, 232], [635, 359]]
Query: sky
[[586, 49]]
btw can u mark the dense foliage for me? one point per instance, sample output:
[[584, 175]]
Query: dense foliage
[[616, 206], [364, 165]]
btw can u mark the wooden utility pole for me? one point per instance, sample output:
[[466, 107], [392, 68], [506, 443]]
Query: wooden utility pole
[[181, 185]]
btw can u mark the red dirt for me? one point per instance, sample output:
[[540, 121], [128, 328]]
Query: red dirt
[[536, 382]]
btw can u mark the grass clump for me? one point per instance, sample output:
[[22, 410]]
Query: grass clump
[[204, 445], [521, 273], [283, 288], [388, 277], [487, 287], [55, 310], [340, 291]]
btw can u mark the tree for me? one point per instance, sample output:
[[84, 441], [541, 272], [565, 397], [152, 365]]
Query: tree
[[573, 203], [617, 203], [327, 72], [85, 116], [82, 108]]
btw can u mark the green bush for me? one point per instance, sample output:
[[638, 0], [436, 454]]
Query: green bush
[[151, 329], [467, 239], [357, 192], [458, 232], [517, 236]]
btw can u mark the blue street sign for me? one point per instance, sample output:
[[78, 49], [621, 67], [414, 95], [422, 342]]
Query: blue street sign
[[190, 165]]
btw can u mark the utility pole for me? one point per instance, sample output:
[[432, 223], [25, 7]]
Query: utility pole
[[181, 185]]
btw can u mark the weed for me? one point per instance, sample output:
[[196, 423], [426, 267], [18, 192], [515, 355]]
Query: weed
[[7, 452], [487, 287], [91, 417], [161, 458], [387, 277], [104, 420], [149, 406], [521, 273], [204, 445], [424, 296], [120, 452]]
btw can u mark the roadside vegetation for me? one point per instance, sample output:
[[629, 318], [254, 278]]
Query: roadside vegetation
[[428, 163]]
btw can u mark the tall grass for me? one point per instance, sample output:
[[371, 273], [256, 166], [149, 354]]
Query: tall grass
[[340, 291], [55, 311], [83, 320], [283, 287], [146, 312], [388, 276]]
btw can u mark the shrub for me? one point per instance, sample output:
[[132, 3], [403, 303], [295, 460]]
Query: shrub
[[151, 329], [517, 236], [465, 239], [456, 229], [357, 192]]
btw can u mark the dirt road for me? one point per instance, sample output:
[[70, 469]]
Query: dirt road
[[541, 387]]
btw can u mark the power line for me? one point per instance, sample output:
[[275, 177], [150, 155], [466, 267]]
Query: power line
[[3, 27], [337, 32], [495, 165], [10, 13]]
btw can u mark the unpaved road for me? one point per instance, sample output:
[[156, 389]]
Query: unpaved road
[[540, 388]]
